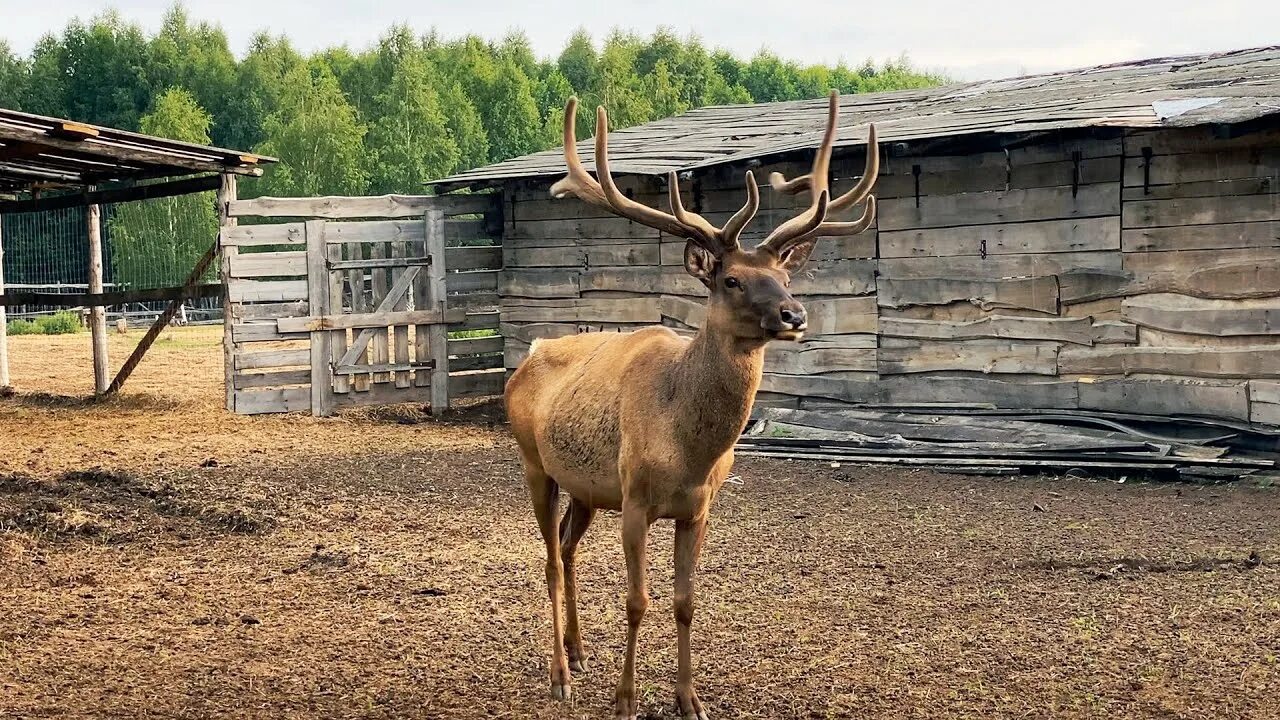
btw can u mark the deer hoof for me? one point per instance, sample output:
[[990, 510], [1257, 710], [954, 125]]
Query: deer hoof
[[624, 708], [578, 665], [690, 707], [560, 692]]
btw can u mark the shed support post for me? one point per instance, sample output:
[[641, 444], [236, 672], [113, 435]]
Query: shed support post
[[438, 335], [4, 323], [97, 313], [226, 196]]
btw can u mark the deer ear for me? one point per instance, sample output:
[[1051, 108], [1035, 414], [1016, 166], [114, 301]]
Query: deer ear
[[699, 262], [794, 257]]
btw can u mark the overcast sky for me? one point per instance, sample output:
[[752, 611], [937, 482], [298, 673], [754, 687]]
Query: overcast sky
[[969, 39]]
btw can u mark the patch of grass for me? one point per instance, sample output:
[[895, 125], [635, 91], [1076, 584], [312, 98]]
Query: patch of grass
[[468, 334], [62, 323]]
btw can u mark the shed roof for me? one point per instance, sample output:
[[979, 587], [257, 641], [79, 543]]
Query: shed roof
[[1227, 87], [37, 151]]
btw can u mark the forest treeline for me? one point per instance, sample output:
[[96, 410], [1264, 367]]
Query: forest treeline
[[388, 117]]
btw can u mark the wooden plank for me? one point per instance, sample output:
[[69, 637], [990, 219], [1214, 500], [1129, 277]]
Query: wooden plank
[[999, 207], [804, 360], [571, 256], [242, 291], [248, 381], [476, 346], [473, 258], [316, 323], [1201, 211], [583, 229], [477, 384], [1209, 271], [1072, 330], [899, 355], [107, 299], [338, 338], [1167, 397], [555, 283], [841, 315], [527, 333], [1245, 362], [840, 277], [270, 311], [1184, 314], [1019, 393], [259, 235], [272, 359], [4, 323], [1038, 293], [1114, 332], [472, 281], [269, 264], [1255, 162], [988, 178], [437, 296], [1264, 234], [358, 284], [384, 206], [1195, 140], [400, 290], [318, 294], [1208, 188], [380, 285], [689, 313], [1264, 391], [1152, 337], [256, 332], [998, 267], [97, 313], [230, 306], [1264, 413], [628, 310], [278, 400], [1053, 236], [186, 186]]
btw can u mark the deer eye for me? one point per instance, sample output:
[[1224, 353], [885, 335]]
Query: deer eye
[[732, 282]]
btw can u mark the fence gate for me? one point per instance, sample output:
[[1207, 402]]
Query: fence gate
[[327, 312]]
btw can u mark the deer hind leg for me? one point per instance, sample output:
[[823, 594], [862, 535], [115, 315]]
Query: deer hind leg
[[577, 518], [635, 538], [689, 537], [546, 497]]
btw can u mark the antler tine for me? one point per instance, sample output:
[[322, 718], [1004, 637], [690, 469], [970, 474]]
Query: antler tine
[[604, 193], [821, 161], [736, 224], [578, 182], [845, 229], [797, 228], [862, 189]]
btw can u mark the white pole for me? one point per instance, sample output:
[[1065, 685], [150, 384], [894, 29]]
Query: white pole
[[4, 326]]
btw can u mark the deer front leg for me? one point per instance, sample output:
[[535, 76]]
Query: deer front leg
[[689, 537], [635, 537], [545, 494], [575, 523]]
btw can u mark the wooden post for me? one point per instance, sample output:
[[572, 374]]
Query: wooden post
[[4, 322], [318, 302], [97, 313], [226, 195], [438, 335]]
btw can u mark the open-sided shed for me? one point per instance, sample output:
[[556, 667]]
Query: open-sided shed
[[1103, 240], [52, 164]]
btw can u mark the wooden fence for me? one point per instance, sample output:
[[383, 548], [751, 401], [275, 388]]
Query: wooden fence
[[1125, 271], [345, 301]]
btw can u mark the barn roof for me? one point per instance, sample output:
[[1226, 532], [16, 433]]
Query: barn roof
[[1227, 87], [38, 151]]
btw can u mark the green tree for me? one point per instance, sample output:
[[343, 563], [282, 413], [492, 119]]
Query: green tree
[[768, 79], [511, 114], [466, 127], [46, 92], [317, 137], [579, 62], [259, 85], [156, 243], [409, 139], [105, 67], [197, 58], [13, 79], [621, 89]]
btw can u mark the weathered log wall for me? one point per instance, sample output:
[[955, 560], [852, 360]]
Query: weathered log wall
[[1126, 270]]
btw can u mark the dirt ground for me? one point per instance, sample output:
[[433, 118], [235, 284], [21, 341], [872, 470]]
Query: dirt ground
[[386, 566]]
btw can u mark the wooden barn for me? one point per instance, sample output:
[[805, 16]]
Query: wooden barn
[[1104, 239]]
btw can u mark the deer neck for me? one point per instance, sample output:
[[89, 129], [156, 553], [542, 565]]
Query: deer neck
[[716, 384]]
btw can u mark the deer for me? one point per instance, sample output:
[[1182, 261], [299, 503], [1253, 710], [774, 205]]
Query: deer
[[645, 422]]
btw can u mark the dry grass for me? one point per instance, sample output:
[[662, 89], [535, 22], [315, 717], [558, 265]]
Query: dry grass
[[363, 568], [170, 414]]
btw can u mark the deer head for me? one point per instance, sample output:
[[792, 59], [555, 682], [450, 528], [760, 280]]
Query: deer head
[[749, 295]]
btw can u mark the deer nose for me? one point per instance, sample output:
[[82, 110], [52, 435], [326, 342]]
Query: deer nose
[[795, 317]]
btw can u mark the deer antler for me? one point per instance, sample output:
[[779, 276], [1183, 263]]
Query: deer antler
[[604, 193], [817, 182]]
